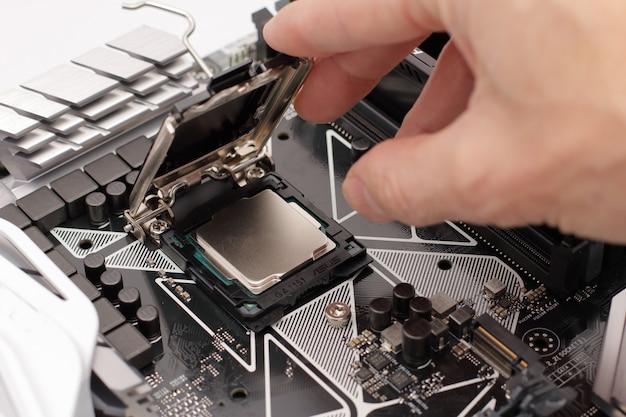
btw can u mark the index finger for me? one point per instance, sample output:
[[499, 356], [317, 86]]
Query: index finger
[[325, 27]]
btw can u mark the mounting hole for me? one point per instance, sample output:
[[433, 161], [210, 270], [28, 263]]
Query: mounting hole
[[444, 264], [283, 136], [543, 341], [85, 244], [238, 394]]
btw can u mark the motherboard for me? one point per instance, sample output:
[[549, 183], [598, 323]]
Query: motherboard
[[237, 281]]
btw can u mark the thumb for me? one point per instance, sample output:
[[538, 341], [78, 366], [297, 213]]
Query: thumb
[[428, 178], [393, 180]]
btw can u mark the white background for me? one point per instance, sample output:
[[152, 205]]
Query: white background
[[37, 35]]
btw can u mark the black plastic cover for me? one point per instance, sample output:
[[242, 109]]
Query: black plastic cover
[[262, 310]]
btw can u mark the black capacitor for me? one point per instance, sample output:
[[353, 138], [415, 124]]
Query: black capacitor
[[130, 301], [416, 341], [403, 293], [358, 148], [379, 314], [97, 212], [130, 179], [148, 321], [420, 307], [94, 267], [116, 193], [112, 283]]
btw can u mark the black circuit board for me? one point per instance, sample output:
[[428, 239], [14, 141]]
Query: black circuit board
[[207, 364]]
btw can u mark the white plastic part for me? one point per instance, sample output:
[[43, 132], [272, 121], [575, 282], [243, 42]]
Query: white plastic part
[[609, 376], [47, 339]]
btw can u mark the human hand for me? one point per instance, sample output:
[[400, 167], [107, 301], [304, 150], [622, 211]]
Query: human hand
[[522, 122]]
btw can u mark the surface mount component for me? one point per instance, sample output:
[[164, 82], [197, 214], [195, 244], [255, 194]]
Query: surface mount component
[[494, 288], [460, 321], [392, 337], [442, 304]]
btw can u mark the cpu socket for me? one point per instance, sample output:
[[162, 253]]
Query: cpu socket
[[208, 196]]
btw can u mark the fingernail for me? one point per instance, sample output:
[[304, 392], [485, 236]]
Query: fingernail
[[359, 197]]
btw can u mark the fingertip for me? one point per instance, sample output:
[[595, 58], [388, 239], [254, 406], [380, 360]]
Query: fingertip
[[393, 181], [270, 30], [285, 32], [310, 109], [359, 197], [327, 93]]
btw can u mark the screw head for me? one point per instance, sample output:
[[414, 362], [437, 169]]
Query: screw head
[[337, 314]]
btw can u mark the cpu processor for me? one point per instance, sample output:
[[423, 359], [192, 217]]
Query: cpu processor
[[208, 196], [257, 240]]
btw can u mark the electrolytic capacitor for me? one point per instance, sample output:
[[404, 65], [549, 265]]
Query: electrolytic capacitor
[[416, 341], [94, 267], [112, 283], [420, 307], [130, 301], [403, 293], [379, 314], [97, 212], [148, 322], [116, 193]]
